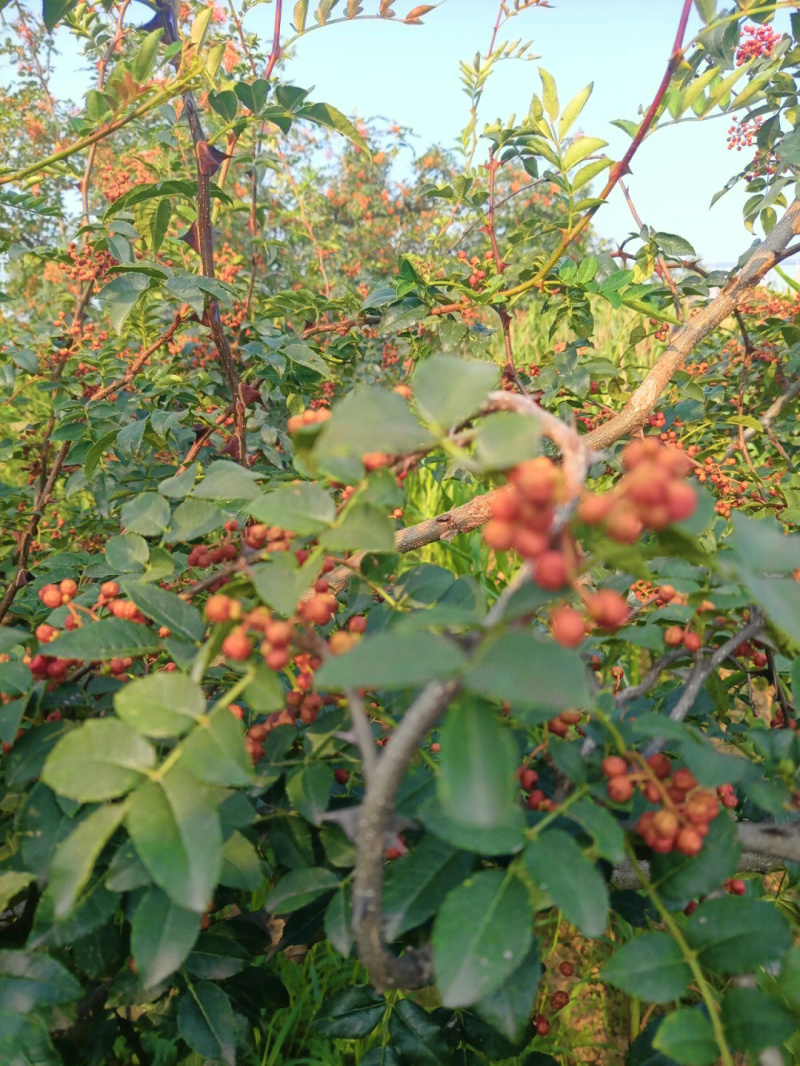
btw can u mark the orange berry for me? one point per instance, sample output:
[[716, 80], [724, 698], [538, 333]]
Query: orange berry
[[568, 626], [620, 789], [237, 646], [614, 766], [608, 608], [550, 570], [689, 841], [673, 636]]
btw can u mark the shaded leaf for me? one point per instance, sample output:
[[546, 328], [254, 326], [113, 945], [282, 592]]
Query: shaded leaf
[[481, 934], [101, 760], [162, 935]]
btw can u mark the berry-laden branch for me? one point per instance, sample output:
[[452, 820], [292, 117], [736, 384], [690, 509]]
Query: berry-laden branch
[[20, 577], [415, 968]]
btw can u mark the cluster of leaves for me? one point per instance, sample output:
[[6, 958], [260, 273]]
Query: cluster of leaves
[[241, 707]]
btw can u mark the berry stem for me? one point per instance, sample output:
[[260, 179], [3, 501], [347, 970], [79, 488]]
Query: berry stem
[[690, 958]]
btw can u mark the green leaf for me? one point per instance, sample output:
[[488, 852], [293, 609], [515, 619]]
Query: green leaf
[[281, 583], [362, 527], [53, 11], [12, 884], [573, 110], [549, 93], [673, 245], [300, 887], [217, 957], [415, 1037], [349, 1014], [370, 420], [224, 103], [147, 514], [206, 1022], [325, 115], [309, 790], [448, 389], [306, 356], [252, 94], [145, 58], [127, 553], [590, 171], [174, 826], [110, 638], [160, 705], [193, 519], [651, 967], [580, 148], [121, 295], [480, 936], [392, 661], [97, 451], [762, 546], [166, 609], [338, 923], [599, 823], [692, 92], [302, 507], [25, 1041], [241, 865], [506, 439], [214, 751], [101, 760], [510, 1006], [687, 1037], [227, 481], [162, 935], [537, 677], [11, 637], [476, 784], [706, 9], [681, 878], [754, 1020], [560, 868], [29, 980], [735, 935], [499, 840], [74, 858], [417, 883]]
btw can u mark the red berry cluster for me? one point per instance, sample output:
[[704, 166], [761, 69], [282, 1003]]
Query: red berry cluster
[[685, 810], [308, 417], [88, 265], [536, 799], [755, 41], [652, 494]]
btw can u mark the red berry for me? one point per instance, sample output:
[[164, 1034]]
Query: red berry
[[567, 969], [620, 789], [237, 646], [614, 766], [528, 778], [568, 626], [341, 776], [542, 1025]]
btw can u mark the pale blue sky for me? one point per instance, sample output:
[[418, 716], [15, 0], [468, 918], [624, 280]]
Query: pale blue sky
[[410, 74]]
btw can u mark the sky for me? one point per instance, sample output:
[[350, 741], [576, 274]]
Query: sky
[[410, 75]]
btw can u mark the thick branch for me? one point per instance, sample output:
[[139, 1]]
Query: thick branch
[[415, 968], [683, 340]]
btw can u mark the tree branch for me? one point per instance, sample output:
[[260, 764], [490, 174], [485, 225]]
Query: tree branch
[[415, 968]]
